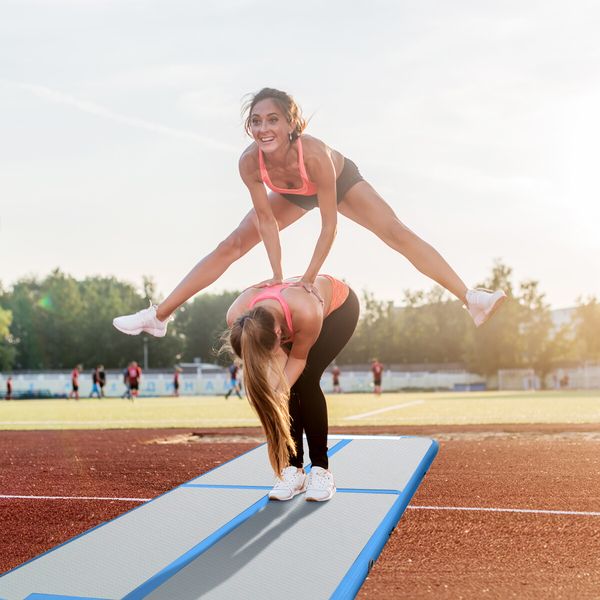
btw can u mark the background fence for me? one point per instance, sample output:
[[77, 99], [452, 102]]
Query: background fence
[[212, 380]]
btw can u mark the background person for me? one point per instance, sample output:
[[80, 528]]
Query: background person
[[377, 370], [134, 377], [234, 382], [176, 373], [9, 389], [286, 338], [101, 380], [127, 392], [75, 382], [335, 372], [95, 384], [303, 173]]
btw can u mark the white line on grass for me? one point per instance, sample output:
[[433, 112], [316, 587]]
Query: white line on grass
[[382, 410], [187, 422], [536, 511]]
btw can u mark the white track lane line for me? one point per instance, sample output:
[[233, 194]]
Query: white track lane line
[[382, 410], [72, 498], [510, 510], [535, 511]]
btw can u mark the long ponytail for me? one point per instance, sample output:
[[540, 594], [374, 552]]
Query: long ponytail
[[252, 338]]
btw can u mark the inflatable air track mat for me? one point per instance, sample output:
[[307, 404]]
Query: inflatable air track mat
[[219, 537]]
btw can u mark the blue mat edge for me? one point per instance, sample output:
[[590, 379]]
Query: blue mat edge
[[356, 575]]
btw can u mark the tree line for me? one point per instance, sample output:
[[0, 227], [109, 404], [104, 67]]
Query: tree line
[[59, 321]]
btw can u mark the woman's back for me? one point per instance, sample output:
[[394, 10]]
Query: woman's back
[[294, 300]]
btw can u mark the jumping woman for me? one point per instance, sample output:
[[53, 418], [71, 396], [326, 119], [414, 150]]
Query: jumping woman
[[301, 173], [286, 338]]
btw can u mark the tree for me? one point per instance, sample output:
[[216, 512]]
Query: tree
[[375, 335], [428, 328], [7, 349], [59, 322], [22, 302], [587, 327], [203, 321], [540, 345], [431, 328], [496, 344]]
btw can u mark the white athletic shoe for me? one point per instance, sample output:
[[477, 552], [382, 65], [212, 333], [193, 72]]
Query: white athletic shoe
[[482, 304], [321, 486], [291, 483], [143, 320]]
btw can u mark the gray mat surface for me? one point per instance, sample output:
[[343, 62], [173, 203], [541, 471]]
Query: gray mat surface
[[378, 463], [292, 550], [115, 558]]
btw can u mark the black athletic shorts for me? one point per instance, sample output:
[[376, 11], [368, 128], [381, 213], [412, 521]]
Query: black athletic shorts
[[348, 177]]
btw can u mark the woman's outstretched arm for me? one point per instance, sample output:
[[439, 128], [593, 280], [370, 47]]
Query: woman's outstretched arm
[[322, 172], [304, 339], [268, 228]]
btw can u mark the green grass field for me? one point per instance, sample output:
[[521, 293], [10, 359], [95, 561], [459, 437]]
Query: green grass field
[[344, 410]]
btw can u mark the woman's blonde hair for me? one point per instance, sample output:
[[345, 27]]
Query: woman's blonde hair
[[252, 338], [287, 105]]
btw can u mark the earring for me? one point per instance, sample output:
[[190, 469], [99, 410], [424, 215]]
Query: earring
[[291, 136]]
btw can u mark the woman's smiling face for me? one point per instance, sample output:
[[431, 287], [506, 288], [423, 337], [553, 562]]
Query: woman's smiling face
[[270, 129]]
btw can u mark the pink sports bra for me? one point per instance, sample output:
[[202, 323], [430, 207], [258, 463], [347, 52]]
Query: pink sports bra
[[274, 293], [308, 188], [340, 291]]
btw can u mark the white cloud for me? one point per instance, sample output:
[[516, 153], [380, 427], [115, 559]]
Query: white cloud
[[209, 103], [100, 111], [161, 77]]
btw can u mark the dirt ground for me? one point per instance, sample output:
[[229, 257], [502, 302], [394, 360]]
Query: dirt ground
[[437, 551]]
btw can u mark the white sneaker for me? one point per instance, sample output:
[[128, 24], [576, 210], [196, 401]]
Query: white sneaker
[[321, 486], [143, 320], [291, 483], [482, 304]]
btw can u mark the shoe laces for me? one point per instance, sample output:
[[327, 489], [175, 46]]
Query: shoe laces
[[288, 478], [320, 479], [155, 306], [477, 301], [143, 310]]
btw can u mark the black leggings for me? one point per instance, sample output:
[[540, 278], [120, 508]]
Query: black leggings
[[308, 408]]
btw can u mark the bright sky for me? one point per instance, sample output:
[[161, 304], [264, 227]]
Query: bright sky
[[478, 121]]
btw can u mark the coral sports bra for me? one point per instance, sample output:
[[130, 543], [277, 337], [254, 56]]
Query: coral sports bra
[[339, 294], [308, 188], [274, 293]]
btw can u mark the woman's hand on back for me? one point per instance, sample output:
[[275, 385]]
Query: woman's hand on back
[[269, 282], [311, 288]]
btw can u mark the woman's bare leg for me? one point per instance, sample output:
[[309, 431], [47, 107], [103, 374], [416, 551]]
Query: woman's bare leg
[[366, 207], [234, 246]]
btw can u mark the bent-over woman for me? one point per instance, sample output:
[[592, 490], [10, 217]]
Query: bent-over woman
[[286, 338]]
